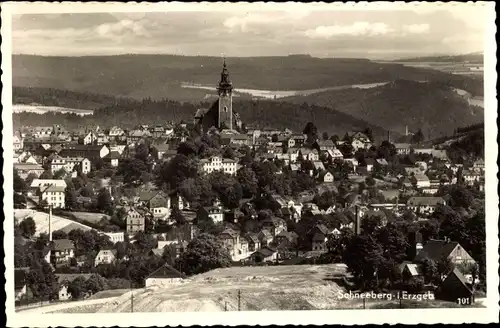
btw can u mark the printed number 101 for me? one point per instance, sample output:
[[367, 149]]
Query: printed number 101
[[463, 301]]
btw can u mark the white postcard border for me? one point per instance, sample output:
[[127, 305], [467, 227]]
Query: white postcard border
[[318, 317]]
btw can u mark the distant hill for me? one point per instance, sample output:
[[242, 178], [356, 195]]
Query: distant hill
[[476, 57], [433, 107], [160, 76], [130, 112], [60, 98]]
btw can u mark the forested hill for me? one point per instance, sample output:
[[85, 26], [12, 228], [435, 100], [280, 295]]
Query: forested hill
[[61, 98], [263, 113], [471, 58], [160, 76], [432, 107]]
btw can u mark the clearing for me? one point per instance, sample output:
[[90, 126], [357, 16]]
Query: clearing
[[262, 288], [42, 221]]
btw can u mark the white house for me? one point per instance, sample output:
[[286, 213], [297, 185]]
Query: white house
[[17, 142], [335, 154], [216, 163], [422, 181], [69, 163], [165, 276], [424, 204], [116, 131], [53, 195], [89, 138], [105, 256]]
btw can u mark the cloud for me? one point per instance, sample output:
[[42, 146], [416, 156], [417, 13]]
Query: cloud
[[355, 29], [122, 27], [416, 28]]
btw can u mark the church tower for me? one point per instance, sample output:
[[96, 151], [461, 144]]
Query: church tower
[[225, 91]]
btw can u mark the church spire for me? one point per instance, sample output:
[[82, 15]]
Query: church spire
[[225, 84]]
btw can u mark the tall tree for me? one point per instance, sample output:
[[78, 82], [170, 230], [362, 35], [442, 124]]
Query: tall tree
[[204, 253], [105, 202], [28, 227], [364, 256], [19, 184]]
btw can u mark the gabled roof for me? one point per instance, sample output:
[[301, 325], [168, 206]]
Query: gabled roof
[[166, 271], [436, 250], [425, 201], [266, 251], [252, 237], [62, 244], [319, 237], [69, 277]]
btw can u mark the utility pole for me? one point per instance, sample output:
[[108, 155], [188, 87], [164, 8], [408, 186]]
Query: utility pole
[[225, 306], [239, 299]]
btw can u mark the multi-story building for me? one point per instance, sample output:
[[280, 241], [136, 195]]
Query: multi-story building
[[69, 163], [216, 163], [135, 221], [424, 204], [61, 252], [105, 256]]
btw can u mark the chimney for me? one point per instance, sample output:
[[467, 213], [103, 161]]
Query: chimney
[[406, 130], [50, 223], [418, 243], [357, 224], [389, 136]]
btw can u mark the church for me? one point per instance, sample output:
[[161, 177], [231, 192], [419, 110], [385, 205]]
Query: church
[[220, 115]]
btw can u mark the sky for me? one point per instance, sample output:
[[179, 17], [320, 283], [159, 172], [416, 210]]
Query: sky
[[255, 30]]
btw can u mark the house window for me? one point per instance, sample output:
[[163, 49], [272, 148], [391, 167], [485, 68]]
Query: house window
[[225, 109]]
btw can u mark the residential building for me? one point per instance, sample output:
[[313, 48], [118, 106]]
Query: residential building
[[253, 242], [274, 225], [53, 195], [231, 241], [309, 154], [325, 177], [135, 221], [422, 181], [402, 148], [113, 158], [90, 138], [116, 131], [455, 287], [437, 250], [61, 252], [213, 212], [216, 163], [165, 276], [157, 202], [424, 204], [17, 143], [335, 154], [92, 152], [69, 164], [265, 237], [21, 290], [265, 254], [471, 177], [64, 280], [24, 170], [105, 256]]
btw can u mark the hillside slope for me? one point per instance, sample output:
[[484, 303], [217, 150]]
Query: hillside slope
[[430, 106], [160, 76]]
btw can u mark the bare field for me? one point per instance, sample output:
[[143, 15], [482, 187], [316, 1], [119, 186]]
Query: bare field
[[268, 288], [304, 287]]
